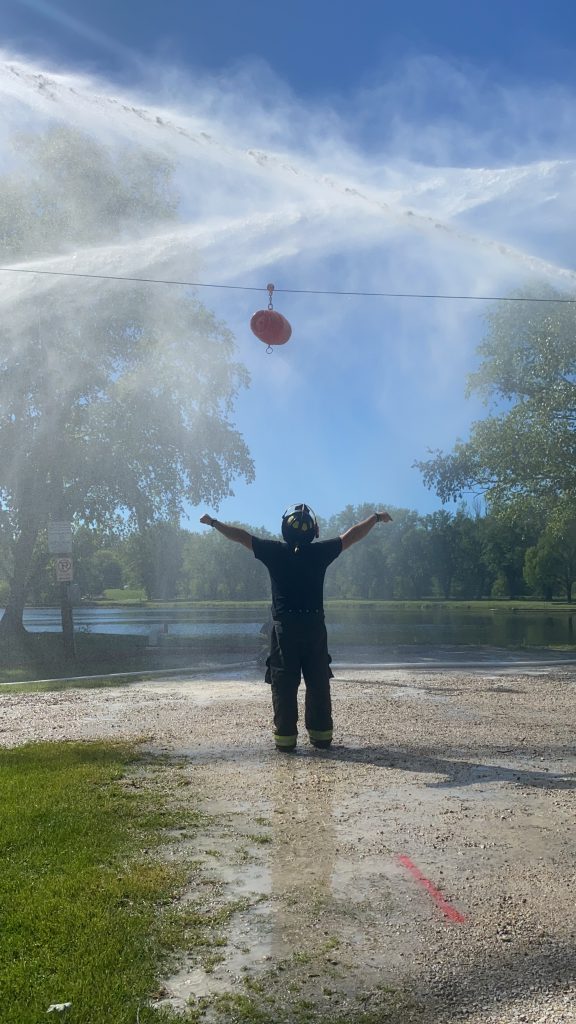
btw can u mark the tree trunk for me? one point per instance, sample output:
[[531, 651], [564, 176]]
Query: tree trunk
[[11, 624]]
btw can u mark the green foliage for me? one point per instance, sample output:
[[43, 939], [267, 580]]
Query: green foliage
[[154, 558], [443, 540], [523, 453], [366, 570], [215, 569], [442, 555], [551, 564], [506, 540], [410, 558]]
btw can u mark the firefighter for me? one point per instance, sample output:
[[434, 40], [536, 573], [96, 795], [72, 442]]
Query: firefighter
[[298, 644]]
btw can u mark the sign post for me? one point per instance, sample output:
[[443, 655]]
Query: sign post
[[60, 544]]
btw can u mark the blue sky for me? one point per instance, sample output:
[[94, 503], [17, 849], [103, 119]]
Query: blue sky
[[367, 147]]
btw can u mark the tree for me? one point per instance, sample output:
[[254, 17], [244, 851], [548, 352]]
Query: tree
[[538, 574], [409, 560], [525, 452], [363, 573], [507, 538], [109, 570], [154, 559], [552, 561], [213, 569], [114, 399], [472, 576], [390, 561], [444, 537]]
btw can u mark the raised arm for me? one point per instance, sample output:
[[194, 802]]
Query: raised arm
[[358, 532], [235, 533]]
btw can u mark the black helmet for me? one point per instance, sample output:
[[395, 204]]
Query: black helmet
[[299, 525]]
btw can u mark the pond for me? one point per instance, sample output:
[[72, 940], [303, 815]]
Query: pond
[[370, 627], [441, 624]]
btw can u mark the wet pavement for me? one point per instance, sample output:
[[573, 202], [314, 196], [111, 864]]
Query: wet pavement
[[483, 812]]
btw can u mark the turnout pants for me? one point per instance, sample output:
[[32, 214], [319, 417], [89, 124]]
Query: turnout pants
[[299, 647]]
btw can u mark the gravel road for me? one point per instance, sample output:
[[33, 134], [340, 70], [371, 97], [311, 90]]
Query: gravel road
[[423, 869]]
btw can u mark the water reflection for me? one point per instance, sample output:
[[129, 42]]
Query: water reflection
[[173, 622], [350, 625]]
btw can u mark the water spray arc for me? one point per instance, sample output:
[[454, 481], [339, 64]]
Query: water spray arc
[[316, 194]]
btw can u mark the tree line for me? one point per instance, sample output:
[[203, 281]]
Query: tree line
[[449, 555]]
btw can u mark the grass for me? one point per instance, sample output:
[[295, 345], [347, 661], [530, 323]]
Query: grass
[[257, 1006], [117, 596], [122, 595], [80, 890], [483, 606], [504, 604], [55, 685]]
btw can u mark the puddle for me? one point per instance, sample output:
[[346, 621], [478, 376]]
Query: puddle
[[243, 880], [432, 695], [322, 902], [248, 949]]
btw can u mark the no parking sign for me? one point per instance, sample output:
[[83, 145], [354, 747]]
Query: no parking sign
[[64, 569]]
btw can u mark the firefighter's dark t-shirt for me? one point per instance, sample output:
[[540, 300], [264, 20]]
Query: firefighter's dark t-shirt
[[297, 577]]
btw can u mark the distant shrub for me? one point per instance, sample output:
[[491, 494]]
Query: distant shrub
[[121, 594]]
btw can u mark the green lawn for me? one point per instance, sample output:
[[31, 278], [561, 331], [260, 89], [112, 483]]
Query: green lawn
[[124, 596], [80, 886]]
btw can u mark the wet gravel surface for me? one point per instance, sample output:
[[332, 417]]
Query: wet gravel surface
[[423, 869]]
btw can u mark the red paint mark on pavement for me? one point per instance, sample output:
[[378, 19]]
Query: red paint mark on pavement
[[447, 909]]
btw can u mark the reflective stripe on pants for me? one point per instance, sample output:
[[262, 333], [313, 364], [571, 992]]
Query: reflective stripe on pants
[[285, 741]]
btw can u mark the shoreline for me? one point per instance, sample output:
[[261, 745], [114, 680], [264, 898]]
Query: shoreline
[[409, 657]]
